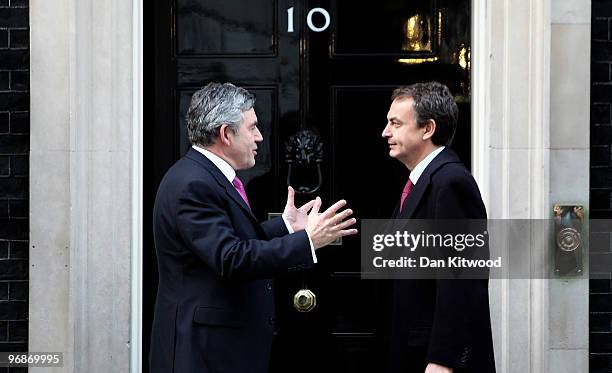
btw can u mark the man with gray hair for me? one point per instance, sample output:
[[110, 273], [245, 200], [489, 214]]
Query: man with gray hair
[[215, 303]]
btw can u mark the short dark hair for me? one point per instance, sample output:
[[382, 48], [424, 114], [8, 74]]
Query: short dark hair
[[432, 100], [214, 105]]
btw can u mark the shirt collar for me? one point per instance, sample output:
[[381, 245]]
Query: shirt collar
[[418, 170], [221, 164]]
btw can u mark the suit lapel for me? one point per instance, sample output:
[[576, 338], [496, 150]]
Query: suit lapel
[[395, 212], [234, 195], [221, 179], [415, 196]]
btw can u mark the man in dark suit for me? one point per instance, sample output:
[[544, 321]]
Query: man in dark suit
[[434, 326], [215, 303]]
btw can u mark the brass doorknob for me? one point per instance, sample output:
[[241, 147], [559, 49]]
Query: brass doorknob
[[304, 300]]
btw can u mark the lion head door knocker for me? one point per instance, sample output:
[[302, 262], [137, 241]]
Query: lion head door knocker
[[304, 151]]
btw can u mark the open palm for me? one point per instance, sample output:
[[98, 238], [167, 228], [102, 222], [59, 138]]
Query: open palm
[[297, 217]]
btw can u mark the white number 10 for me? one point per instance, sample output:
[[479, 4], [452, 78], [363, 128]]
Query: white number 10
[[309, 19]]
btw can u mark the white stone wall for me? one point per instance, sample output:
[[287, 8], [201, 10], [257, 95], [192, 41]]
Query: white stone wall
[[568, 300], [50, 307], [531, 151], [81, 125]]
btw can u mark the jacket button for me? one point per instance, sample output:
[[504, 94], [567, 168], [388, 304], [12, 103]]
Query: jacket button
[[269, 286], [271, 320]]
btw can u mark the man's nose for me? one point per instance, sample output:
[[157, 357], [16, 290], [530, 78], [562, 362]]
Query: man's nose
[[258, 136], [385, 132]]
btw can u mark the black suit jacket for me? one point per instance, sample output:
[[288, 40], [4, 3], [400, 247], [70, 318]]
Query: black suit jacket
[[446, 319], [215, 303]]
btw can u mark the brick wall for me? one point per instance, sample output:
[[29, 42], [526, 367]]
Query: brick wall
[[14, 146], [600, 305]]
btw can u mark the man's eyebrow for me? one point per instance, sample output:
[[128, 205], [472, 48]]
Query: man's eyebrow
[[393, 119]]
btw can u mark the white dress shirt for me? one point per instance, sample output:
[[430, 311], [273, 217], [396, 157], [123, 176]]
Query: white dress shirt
[[418, 170], [230, 174]]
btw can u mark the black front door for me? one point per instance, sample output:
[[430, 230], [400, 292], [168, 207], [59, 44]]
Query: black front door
[[326, 68]]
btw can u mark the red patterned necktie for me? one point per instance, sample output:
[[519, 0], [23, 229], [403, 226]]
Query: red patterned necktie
[[405, 192], [240, 188]]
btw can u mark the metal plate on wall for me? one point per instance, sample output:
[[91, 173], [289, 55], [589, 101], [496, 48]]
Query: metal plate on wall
[[568, 239]]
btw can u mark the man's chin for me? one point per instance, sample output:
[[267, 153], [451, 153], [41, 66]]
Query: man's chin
[[246, 166]]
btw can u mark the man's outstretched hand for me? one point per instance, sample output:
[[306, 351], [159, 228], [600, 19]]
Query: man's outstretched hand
[[324, 228], [296, 217]]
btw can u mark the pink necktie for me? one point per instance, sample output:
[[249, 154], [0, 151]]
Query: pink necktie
[[405, 192], [240, 188]]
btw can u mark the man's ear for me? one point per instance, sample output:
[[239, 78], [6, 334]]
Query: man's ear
[[224, 134], [430, 129]]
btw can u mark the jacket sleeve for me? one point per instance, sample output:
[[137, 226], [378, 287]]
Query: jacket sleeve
[[206, 229], [275, 227], [457, 301]]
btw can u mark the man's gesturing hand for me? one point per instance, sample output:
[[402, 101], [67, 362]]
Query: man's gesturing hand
[[297, 217], [326, 227]]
